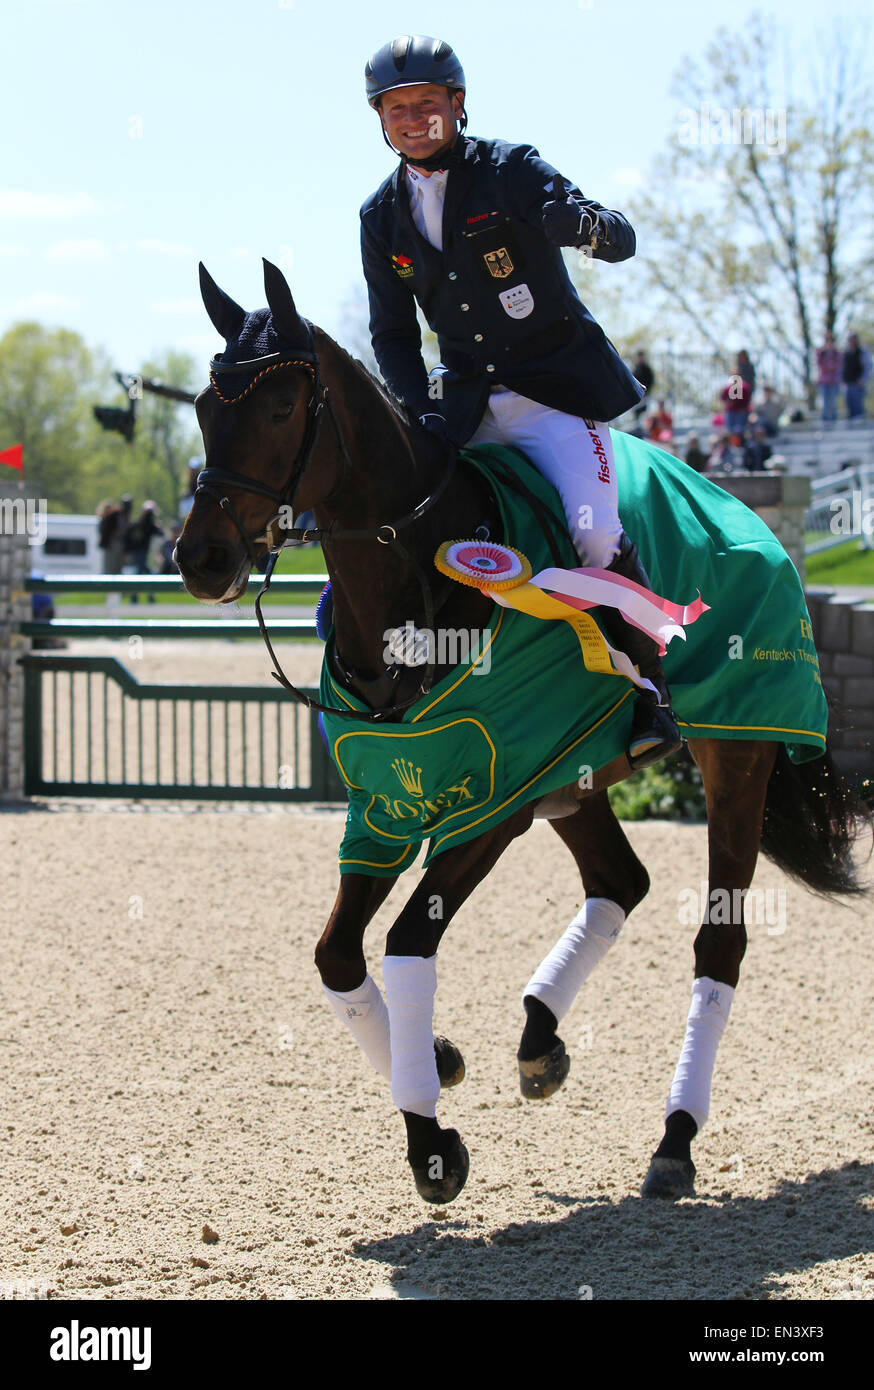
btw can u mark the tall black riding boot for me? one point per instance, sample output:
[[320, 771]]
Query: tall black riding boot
[[654, 732]]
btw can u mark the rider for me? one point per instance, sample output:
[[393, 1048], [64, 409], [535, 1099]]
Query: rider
[[471, 229]]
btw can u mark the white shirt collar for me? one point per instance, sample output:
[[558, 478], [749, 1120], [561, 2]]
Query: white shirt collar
[[422, 181]]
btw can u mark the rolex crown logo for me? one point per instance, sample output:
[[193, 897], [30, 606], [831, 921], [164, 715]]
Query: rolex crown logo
[[410, 777]]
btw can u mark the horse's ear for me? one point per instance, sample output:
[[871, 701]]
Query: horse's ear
[[286, 319], [226, 316]]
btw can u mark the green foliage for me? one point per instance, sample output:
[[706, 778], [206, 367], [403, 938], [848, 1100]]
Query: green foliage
[[50, 380], [843, 564], [671, 790]]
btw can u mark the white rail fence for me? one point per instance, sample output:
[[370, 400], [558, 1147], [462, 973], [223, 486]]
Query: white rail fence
[[841, 509]]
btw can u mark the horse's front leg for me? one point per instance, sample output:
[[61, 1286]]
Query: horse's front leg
[[438, 1158], [735, 776], [352, 993]]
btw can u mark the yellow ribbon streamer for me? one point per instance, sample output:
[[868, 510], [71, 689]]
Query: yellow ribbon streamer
[[527, 598]]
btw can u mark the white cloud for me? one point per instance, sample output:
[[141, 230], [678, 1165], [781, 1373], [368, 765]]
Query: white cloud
[[42, 299], [19, 204], [163, 248], [89, 249], [176, 306]]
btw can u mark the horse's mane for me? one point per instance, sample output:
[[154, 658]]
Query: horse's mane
[[424, 441]]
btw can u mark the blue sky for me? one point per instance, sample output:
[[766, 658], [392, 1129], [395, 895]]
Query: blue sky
[[139, 139]]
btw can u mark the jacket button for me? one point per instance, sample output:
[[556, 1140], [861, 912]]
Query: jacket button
[[477, 337], [490, 366], [464, 308], [452, 275]]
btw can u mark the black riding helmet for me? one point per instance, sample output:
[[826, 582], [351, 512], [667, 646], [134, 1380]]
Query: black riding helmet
[[413, 60]]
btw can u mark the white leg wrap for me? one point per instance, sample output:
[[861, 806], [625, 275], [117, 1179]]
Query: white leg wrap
[[708, 1015], [410, 987], [573, 958], [364, 1013]]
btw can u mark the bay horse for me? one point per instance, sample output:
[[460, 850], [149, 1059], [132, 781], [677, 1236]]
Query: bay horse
[[291, 422]]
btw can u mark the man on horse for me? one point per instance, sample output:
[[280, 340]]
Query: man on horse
[[472, 230]]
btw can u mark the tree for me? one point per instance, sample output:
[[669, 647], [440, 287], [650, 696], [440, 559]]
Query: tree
[[167, 435], [760, 228], [49, 378]]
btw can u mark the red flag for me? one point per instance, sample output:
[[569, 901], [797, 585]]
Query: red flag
[[14, 457]]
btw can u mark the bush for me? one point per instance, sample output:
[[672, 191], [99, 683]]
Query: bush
[[671, 790]]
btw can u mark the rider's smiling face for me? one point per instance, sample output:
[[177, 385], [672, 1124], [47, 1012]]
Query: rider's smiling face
[[418, 120]]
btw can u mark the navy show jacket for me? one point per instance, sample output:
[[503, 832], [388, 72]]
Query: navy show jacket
[[498, 296]]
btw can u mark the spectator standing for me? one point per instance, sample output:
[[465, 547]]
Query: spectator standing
[[829, 368], [168, 545], [646, 376], [139, 539], [114, 520], [737, 397], [745, 369], [856, 367]]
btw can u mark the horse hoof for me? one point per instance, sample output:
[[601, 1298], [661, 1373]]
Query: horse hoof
[[450, 1063], [669, 1177], [540, 1079], [441, 1179]]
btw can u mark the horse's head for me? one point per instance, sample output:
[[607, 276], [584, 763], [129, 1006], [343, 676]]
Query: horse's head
[[258, 419]]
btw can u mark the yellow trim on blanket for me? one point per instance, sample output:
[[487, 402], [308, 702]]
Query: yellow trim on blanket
[[759, 728], [419, 733], [371, 864], [464, 829], [495, 630]]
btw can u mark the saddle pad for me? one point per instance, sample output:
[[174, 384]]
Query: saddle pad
[[523, 717]]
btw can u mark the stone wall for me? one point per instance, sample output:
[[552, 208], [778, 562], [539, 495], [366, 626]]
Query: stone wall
[[780, 499], [843, 630], [14, 608]]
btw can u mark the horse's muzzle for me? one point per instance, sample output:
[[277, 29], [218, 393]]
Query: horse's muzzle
[[213, 572]]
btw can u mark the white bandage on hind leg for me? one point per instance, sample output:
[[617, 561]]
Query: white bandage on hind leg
[[708, 1015], [410, 987], [573, 958], [364, 1013]]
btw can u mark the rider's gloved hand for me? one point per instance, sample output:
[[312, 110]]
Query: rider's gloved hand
[[564, 221], [436, 425]]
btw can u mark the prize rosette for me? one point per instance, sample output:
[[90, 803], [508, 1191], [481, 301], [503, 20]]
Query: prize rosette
[[483, 564]]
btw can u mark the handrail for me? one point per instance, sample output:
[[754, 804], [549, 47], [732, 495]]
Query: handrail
[[154, 583]]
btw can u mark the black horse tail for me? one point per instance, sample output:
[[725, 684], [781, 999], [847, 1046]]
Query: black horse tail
[[812, 820]]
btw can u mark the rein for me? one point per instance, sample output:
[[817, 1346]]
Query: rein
[[213, 482]]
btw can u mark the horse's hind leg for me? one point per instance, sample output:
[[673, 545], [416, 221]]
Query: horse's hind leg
[[735, 776], [614, 881], [439, 1160]]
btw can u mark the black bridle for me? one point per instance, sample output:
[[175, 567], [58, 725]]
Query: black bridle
[[214, 481]]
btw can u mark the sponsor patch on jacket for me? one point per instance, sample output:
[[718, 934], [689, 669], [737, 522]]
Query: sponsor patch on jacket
[[498, 263], [403, 265], [518, 301], [482, 216]]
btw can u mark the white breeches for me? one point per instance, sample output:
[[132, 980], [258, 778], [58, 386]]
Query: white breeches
[[575, 455]]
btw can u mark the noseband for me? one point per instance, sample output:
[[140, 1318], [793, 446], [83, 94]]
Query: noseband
[[214, 481]]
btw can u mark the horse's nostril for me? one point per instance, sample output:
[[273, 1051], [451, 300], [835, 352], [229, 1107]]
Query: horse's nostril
[[206, 560], [219, 559]]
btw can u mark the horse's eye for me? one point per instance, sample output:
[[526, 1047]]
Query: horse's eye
[[282, 412]]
